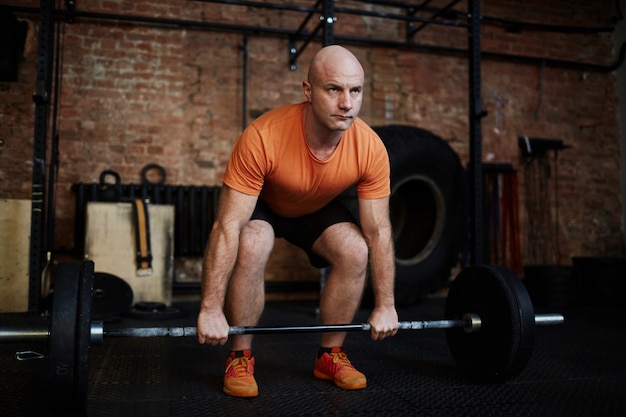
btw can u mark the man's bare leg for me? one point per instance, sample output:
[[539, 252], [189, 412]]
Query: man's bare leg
[[344, 247], [245, 298]]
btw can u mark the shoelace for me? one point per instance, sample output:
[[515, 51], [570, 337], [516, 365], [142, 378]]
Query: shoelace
[[239, 366], [341, 360]]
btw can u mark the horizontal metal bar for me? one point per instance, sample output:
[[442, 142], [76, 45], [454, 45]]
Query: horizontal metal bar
[[150, 332], [239, 330], [540, 320], [26, 330], [23, 335], [430, 324], [549, 319], [264, 5], [407, 18], [20, 332], [410, 46]]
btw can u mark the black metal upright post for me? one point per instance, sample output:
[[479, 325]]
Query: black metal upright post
[[41, 98], [476, 113], [329, 21]]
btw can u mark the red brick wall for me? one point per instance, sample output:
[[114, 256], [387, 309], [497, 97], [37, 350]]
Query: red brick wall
[[136, 94]]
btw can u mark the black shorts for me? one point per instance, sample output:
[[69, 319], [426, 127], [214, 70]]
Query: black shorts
[[304, 231]]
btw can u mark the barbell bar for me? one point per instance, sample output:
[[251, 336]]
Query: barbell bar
[[489, 323], [240, 330], [98, 332], [469, 323]]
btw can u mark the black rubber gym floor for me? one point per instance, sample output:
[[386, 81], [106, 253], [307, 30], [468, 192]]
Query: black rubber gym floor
[[577, 369]]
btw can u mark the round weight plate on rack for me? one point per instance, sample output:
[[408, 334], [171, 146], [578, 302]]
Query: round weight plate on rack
[[83, 335], [112, 296], [149, 310], [502, 346], [63, 336]]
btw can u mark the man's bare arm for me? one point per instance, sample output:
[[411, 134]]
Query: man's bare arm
[[234, 210], [374, 215]]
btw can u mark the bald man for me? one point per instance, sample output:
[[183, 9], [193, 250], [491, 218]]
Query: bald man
[[282, 180]]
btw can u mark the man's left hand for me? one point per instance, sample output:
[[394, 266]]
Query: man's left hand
[[384, 322]]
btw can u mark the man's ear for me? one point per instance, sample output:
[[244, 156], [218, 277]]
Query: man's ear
[[306, 88]]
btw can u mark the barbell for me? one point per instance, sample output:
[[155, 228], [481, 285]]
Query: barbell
[[489, 323]]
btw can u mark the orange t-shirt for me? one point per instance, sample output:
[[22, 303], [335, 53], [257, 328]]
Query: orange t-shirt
[[271, 159]]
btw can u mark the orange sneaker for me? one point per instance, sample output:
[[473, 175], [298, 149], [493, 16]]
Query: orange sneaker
[[335, 366], [239, 375]]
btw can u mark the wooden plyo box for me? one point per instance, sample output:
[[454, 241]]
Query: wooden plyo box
[[14, 255], [110, 243]]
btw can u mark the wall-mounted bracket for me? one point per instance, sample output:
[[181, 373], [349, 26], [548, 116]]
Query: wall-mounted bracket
[[412, 28], [538, 146]]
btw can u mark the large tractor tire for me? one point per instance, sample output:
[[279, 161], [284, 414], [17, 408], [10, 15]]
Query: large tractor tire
[[428, 210]]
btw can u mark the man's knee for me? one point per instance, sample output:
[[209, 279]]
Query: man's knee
[[345, 247], [256, 241], [357, 252]]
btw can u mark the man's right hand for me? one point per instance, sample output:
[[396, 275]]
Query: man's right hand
[[212, 327]]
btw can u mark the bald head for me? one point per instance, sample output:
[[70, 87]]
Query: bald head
[[334, 92], [332, 61]]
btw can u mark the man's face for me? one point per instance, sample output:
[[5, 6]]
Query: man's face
[[335, 94]]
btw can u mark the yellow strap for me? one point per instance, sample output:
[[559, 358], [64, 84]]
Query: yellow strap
[[144, 265]]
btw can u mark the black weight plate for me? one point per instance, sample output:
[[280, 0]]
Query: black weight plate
[[83, 335], [112, 296], [148, 310], [62, 340], [503, 345]]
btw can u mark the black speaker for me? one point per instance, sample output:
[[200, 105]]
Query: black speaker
[[12, 39]]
